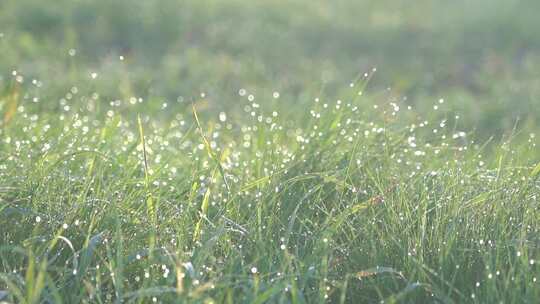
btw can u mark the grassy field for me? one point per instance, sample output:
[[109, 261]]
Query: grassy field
[[269, 151]]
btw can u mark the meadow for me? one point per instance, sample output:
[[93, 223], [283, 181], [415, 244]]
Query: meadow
[[269, 151]]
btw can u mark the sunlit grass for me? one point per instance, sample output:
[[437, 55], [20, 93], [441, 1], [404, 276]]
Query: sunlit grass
[[188, 151], [348, 199]]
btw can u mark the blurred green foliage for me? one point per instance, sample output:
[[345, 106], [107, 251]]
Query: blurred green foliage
[[482, 56]]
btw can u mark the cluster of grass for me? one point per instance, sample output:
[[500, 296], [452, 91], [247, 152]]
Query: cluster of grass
[[217, 152], [342, 200], [483, 55]]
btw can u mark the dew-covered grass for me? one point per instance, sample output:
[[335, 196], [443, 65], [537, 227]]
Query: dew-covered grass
[[201, 151], [342, 199]]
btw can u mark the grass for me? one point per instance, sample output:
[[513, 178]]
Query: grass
[[153, 152], [343, 202]]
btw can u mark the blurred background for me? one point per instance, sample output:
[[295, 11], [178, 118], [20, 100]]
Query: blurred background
[[481, 56]]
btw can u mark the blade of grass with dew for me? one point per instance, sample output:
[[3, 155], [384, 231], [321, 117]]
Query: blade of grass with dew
[[150, 207]]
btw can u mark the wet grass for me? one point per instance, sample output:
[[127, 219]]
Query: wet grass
[[225, 152], [342, 200]]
